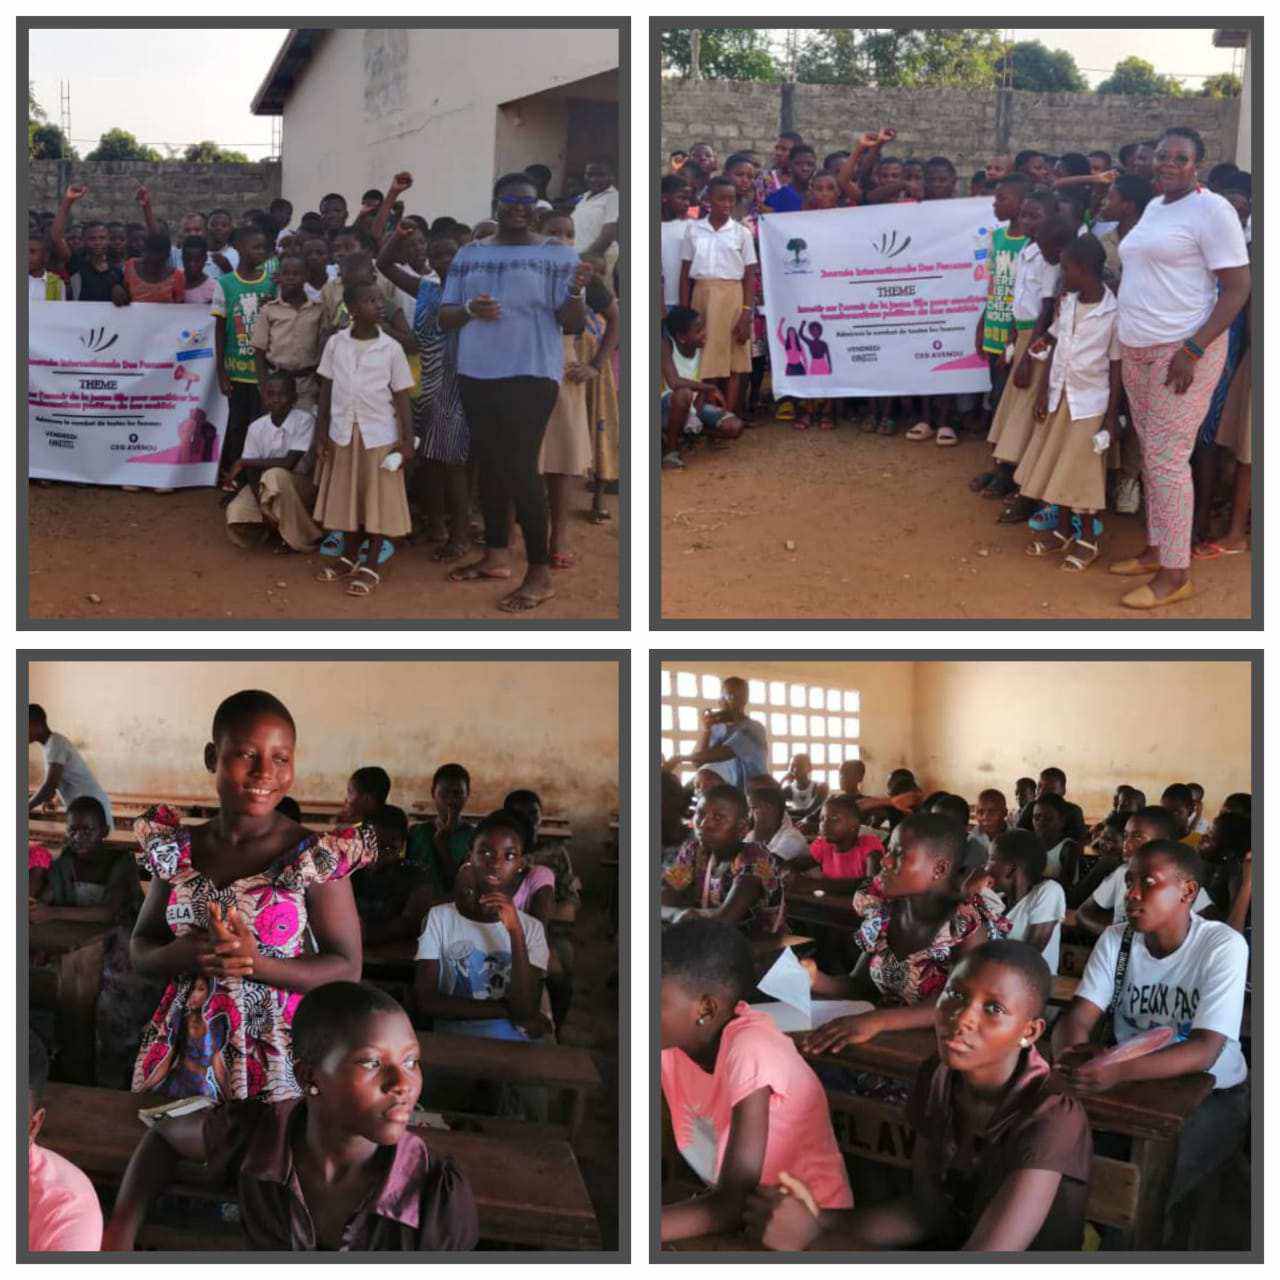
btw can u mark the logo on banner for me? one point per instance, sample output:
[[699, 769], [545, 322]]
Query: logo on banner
[[96, 339], [889, 246]]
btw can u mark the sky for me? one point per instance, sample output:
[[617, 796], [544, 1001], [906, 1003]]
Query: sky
[[193, 89]]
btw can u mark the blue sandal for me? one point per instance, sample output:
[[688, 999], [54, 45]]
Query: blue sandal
[[1045, 519]]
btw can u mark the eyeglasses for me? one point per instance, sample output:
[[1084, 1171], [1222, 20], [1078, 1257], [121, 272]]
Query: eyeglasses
[[524, 202]]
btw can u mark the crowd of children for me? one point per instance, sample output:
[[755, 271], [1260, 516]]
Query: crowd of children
[[956, 924], [237, 981], [1115, 330], [381, 371]]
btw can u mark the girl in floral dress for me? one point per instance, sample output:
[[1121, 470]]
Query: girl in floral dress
[[228, 912], [915, 924]]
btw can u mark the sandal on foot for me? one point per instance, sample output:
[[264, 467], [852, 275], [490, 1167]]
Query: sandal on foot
[[784, 412], [1075, 563], [1145, 598], [1016, 512], [946, 438], [1039, 548], [563, 560], [359, 586], [1132, 568], [522, 600], [334, 572], [1046, 518], [921, 431], [474, 573]]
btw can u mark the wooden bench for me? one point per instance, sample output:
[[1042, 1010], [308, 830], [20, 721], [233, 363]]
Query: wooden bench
[[527, 1193], [67, 981], [1151, 1117]]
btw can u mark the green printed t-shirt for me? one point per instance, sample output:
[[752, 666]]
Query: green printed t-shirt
[[424, 851], [997, 321], [237, 300]]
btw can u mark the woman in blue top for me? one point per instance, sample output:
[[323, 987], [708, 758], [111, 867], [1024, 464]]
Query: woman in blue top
[[510, 296]]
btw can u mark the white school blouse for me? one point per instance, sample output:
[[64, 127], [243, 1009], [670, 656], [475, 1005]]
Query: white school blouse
[[718, 253], [1087, 343], [364, 373], [1034, 279]]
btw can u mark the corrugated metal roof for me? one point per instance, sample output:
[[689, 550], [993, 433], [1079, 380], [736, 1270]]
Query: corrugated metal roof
[[289, 64]]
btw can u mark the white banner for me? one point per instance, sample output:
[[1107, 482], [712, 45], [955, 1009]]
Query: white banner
[[123, 395], [875, 301]]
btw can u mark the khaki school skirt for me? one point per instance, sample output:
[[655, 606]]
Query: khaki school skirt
[[1059, 464], [1235, 431], [356, 494], [719, 302], [566, 444], [1012, 424]]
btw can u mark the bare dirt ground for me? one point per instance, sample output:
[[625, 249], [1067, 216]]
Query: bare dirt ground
[[837, 524], [167, 556]]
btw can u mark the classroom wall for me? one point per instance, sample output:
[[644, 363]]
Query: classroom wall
[[887, 699], [372, 102], [985, 724], [552, 726]]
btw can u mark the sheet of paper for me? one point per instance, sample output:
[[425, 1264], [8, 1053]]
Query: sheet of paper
[[788, 1018], [788, 981]]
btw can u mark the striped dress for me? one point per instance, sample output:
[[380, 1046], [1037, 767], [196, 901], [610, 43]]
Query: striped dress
[[438, 418]]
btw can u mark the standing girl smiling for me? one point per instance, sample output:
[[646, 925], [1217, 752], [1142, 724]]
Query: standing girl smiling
[[228, 912]]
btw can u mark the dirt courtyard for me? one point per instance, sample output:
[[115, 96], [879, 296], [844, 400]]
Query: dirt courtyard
[[837, 524], [167, 556]]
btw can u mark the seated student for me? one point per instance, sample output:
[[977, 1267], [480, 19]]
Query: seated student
[[1238, 802], [1183, 972], [674, 810], [1179, 801], [1106, 905], [1002, 1155], [481, 961], [1128, 800], [291, 809], [1024, 792], [745, 1107], [335, 1169], [1049, 819], [443, 843], [393, 895], [916, 900], [1053, 779], [804, 794], [841, 855], [1225, 849], [39, 862], [551, 893], [904, 796], [63, 1214], [1199, 823], [990, 817], [90, 881], [957, 809], [771, 824], [367, 792], [272, 481], [719, 874], [690, 404], [1033, 905], [1101, 856]]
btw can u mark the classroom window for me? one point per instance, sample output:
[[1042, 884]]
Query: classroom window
[[801, 719]]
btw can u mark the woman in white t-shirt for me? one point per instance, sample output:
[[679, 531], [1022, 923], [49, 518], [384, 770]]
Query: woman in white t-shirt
[[1185, 277], [1034, 905]]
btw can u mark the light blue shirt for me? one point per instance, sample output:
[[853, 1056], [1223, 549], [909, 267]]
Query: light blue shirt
[[750, 746], [532, 283]]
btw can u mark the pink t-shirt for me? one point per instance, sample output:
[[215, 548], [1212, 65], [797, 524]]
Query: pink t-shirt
[[845, 864], [64, 1214], [754, 1055], [539, 877]]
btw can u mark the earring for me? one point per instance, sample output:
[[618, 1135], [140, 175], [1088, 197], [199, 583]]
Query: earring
[[1025, 1043], [702, 1018], [312, 1090]]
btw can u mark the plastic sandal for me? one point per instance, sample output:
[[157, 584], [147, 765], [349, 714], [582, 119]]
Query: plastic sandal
[[1038, 549], [1047, 518], [921, 431], [362, 586], [946, 438], [332, 572], [1078, 564]]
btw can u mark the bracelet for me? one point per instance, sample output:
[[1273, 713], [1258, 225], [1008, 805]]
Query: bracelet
[[575, 293], [471, 315], [1193, 349]]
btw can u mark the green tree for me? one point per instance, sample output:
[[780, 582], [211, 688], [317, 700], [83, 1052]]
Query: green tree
[[35, 115], [1134, 75], [210, 153], [832, 55], [48, 142], [1039, 69], [120, 144], [898, 57], [1224, 85], [728, 53]]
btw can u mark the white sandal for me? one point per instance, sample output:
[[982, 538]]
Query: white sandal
[[360, 586], [921, 431], [331, 572], [1078, 564], [1038, 549]]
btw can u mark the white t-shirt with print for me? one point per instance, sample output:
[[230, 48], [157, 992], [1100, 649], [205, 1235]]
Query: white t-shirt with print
[[1199, 987], [475, 964], [1167, 288], [1109, 895], [1044, 902]]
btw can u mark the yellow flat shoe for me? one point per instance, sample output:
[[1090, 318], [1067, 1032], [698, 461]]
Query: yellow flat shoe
[[1145, 598], [1132, 568]]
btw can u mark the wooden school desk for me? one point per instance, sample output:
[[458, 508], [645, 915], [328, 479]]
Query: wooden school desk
[[529, 1194], [808, 903], [1151, 1114], [68, 982]]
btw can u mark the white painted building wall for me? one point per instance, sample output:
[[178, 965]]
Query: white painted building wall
[[372, 102]]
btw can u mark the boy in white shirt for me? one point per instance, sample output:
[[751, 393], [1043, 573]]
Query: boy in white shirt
[[277, 490], [1167, 967]]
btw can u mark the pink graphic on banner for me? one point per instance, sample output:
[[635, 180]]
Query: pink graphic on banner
[[197, 443], [972, 361]]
